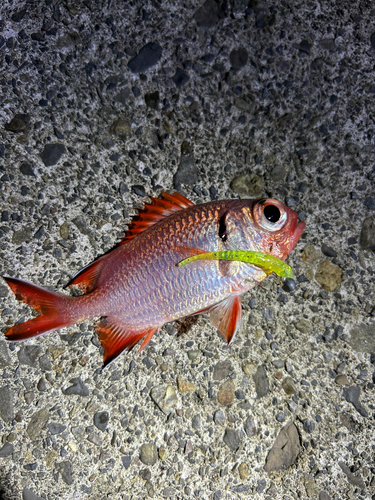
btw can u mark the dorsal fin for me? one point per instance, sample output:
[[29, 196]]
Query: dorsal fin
[[157, 210]]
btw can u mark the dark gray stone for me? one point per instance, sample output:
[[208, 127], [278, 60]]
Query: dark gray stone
[[28, 354], [180, 78], [27, 169], [42, 385], [147, 57], [324, 496], [101, 419], [261, 382], [285, 449], [4, 356], [77, 388], [362, 337], [289, 285], [232, 439], [238, 57], [367, 238], [356, 481], [30, 495], [328, 251], [52, 153], [187, 172], [126, 461], [66, 470], [56, 428], [208, 15], [6, 404], [351, 394], [6, 450], [222, 369]]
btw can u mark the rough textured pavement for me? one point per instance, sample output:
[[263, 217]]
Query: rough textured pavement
[[106, 103]]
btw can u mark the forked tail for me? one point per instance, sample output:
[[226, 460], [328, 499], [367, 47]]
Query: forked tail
[[51, 306]]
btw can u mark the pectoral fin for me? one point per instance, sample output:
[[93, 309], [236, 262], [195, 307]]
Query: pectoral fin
[[227, 316]]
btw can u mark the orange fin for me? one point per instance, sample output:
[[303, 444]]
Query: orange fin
[[227, 316], [47, 304], [115, 338], [157, 210], [87, 277]]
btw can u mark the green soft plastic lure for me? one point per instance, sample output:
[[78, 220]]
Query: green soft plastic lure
[[258, 259]]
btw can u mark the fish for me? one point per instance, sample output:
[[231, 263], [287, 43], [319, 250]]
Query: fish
[[137, 287], [259, 259]]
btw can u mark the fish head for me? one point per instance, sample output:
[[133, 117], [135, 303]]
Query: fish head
[[276, 225]]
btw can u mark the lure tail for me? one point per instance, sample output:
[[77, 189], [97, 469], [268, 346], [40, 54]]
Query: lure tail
[[50, 305]]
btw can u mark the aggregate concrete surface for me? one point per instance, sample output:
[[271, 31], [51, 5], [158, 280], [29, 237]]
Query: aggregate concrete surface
[[106, 103]]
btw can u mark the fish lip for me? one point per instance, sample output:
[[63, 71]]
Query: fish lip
[[296, 236]]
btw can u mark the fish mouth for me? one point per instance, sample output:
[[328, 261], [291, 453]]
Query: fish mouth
[[295, 236]]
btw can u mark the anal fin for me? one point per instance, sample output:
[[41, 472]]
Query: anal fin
[[227, 316], [116, 338]]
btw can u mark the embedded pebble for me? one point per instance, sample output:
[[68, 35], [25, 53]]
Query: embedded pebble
[[147, 57], [353, 479], [65, 468], [77, 388], [56, 428], [187, 172], [37, 423], [351, 394], [52, 153], [247, 185], [328, 275], [6, 450], [185, 385], [148, 454], [165, 397], [232, 439], [208, 14], [4, 355], [238, 57], [328, 251], [101, 419], [225, 394], [249, 426], [28, 494], [221, 370], [285, 449], [367, 238], [219, 417], [303, 326], [19, 123], [261, 382], [6, 404], [362, 337]]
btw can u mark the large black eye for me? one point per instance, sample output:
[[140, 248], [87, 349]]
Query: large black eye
[[223, 228], [272, 213]]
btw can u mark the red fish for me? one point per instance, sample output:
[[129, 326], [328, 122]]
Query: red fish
[[138, 287]]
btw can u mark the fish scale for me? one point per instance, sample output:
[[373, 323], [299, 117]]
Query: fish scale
[[138, 286]]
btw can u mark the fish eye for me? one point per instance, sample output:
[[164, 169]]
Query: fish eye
[[272, 213]]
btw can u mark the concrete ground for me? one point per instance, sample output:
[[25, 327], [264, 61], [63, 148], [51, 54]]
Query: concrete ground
[[106, 103]]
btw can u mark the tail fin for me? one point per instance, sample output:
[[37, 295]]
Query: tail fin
[[50, 306]]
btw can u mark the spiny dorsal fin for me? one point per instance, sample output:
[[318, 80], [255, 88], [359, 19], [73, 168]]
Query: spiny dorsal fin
[[157, 210]]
